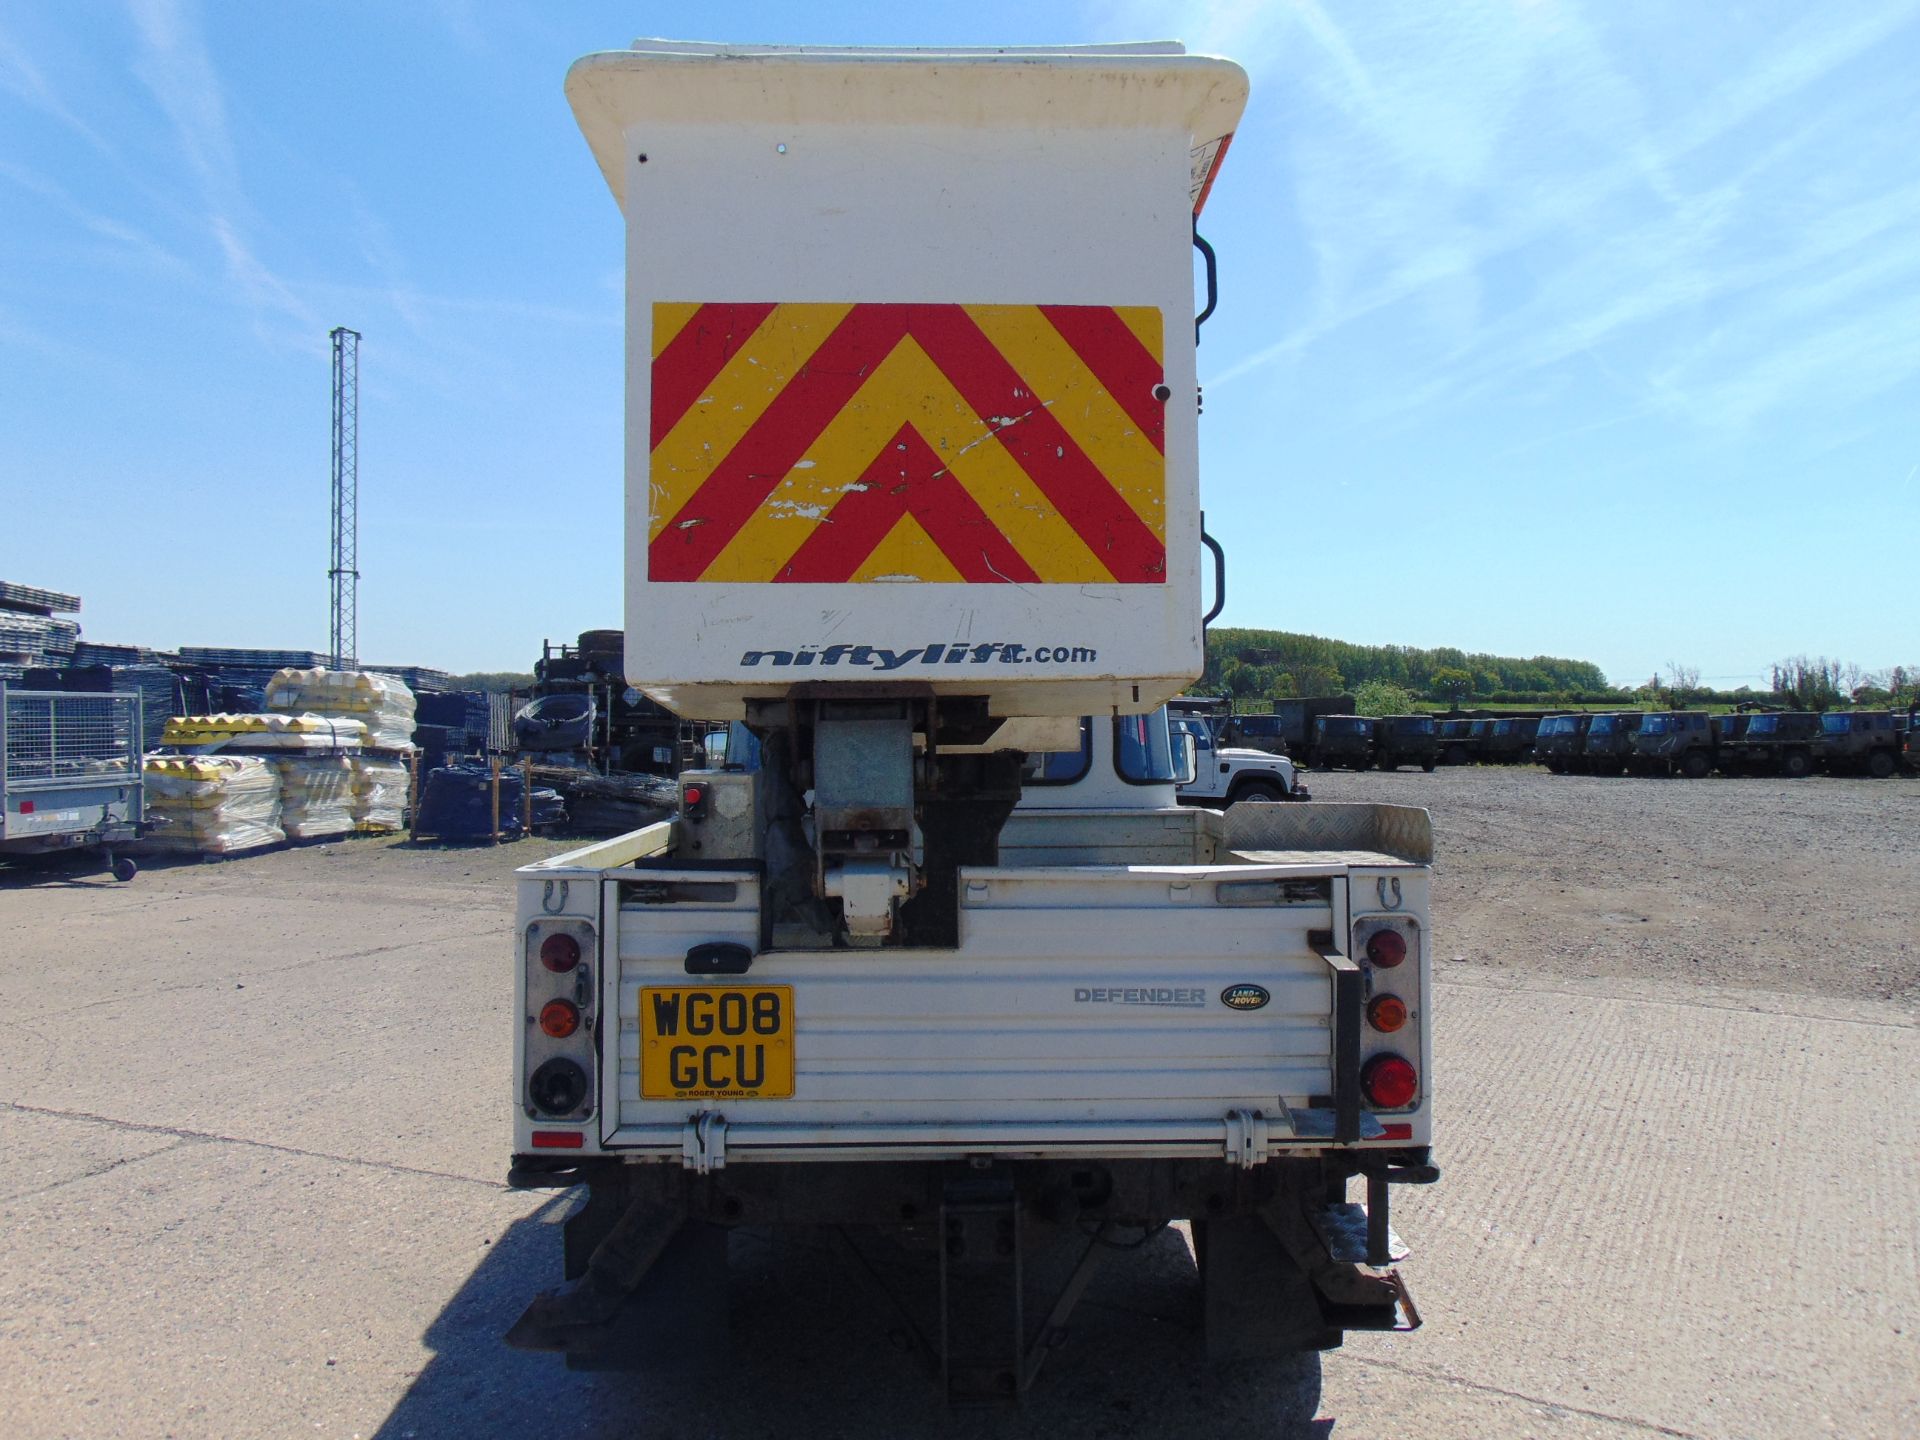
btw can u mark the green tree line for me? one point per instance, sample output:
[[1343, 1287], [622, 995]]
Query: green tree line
[[1278, 664]]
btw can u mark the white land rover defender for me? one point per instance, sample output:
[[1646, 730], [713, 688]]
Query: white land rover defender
[[913, 489], [1229, 774]]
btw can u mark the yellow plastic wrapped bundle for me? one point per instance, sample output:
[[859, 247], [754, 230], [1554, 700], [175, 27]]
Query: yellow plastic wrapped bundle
[[379, 795], [211, 804], [249, 734], [384, 703], [316, 796]]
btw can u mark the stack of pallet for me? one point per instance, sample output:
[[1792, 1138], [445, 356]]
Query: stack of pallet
[[316, 796], [211, 804], [379, 795], [31, 637], [242, 675], [415, 677], [311, 759], [385, 705], [265, 734]]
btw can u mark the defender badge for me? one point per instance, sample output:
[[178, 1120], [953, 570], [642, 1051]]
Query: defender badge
[[1244, 997]]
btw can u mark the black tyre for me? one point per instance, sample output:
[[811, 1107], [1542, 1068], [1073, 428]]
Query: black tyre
[[1257, 792], [1428, 765], [1796, 764], [1880, 765], [1696, 765], [124, 869]]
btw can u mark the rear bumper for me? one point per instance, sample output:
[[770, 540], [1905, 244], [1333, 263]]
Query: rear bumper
[[839, 1192]]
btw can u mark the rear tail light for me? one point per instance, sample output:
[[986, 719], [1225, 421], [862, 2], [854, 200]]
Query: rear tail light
[[1386, 948], [558, 1140], [1389, 1082], [560, 953], [559, 1018], [1386, 1013]]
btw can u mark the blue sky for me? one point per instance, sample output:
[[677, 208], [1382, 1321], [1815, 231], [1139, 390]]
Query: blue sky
[[1589, 330]]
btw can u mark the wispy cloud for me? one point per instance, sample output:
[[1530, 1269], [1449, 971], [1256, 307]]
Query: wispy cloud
[[23, 78], [178, 72], [1516, 185], [129, 240]]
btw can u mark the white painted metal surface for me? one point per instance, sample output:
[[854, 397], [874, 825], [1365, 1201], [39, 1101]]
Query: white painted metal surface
[[958, 179], [1083, 1013]]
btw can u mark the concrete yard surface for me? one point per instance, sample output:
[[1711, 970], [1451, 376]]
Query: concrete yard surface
[[256, 1116]]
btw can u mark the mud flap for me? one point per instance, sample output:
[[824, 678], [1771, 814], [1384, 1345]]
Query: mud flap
[[1270, 1286], [675, 1318], [1259, 1303], [645, 1287], [1350, 1294]]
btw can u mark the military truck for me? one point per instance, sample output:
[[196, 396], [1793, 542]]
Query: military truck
[[1674, 742], [1405, 740], [1508, 740], [1774, 742], [1260, 732], [1342, 740], [1456, 741], [1610, 741], [1559, 743], [1479, 737], [1853, 742], [1288, 729]]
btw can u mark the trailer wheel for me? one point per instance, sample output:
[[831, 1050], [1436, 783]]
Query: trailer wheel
[[124, 869], [1880, 765], [1796, 764]]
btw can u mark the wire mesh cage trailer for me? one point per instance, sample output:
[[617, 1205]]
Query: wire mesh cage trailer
[[71, 774]]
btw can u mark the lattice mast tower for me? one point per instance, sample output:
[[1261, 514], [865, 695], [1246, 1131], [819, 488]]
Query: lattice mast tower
[[344, 573]]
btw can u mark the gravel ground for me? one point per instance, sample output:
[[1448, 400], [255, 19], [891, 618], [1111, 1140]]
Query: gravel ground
[[256, 1115], [1804, 887]]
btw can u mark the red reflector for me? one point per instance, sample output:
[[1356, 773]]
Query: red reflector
[[1389, 1082], [558, 1139], [1396, 1132], [559, 1018], [560, 953], [26, 807], [1386, 948]]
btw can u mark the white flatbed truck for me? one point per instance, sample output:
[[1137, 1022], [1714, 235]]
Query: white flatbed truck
[[909, 499]]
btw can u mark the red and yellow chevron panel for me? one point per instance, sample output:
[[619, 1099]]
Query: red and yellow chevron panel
[[976, 444]]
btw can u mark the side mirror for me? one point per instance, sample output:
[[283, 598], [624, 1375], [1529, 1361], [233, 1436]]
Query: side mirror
[[1186, 758], [716, 747]]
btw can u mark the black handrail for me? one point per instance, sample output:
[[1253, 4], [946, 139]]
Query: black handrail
[[1213, 280]]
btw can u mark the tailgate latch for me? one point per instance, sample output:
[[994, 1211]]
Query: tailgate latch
[[1247, 1138], [703, 1143]]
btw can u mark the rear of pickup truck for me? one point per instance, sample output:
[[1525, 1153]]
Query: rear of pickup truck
[[1151, 1016]]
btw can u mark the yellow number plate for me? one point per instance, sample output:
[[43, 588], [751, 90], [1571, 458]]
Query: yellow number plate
[[716, 1042]]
